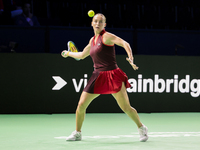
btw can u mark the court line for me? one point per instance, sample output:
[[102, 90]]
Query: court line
[[136, 135]]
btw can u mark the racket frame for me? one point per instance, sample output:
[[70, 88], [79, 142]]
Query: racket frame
[[74, 46]]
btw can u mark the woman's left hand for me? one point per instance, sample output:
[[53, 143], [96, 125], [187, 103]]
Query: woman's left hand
[[132, 64]]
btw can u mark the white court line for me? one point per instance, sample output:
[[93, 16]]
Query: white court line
[[136, 135]]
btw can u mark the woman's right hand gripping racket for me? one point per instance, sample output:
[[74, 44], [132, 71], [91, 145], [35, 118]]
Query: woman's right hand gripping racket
[[71, 48]]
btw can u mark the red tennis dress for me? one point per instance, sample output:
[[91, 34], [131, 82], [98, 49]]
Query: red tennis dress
[[107, 77]]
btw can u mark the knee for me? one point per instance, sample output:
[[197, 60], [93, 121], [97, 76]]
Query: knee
[[81, 107], [129, 109]]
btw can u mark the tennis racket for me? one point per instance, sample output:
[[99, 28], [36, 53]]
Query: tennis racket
[[72, 48]]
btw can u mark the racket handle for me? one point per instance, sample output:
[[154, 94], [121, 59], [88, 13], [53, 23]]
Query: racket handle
[[64, 53]]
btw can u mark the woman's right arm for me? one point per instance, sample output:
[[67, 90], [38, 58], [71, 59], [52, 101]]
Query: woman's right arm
[[78, 55]]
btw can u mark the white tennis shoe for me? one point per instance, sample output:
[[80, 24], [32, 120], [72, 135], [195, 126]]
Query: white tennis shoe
[[75, 136], [143, 133]]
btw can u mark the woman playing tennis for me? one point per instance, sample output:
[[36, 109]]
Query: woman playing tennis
[[107, 77]]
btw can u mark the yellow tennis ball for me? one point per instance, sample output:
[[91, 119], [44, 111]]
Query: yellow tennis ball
[[91, 13]]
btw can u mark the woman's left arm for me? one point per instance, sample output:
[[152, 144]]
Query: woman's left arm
[[111, 39]]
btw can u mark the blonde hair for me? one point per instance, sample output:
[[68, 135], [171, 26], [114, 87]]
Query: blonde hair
[[101, 16]]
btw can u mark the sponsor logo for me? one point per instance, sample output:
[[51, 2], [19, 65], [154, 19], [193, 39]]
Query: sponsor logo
[[141, 85], [159, 85]]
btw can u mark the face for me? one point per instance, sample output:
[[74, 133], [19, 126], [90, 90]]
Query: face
[[98, 23], [27, 8]]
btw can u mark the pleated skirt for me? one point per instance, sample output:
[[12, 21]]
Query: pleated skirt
[[106, 82]]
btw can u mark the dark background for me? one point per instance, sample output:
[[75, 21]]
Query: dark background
[[143, 42], [164, 36]]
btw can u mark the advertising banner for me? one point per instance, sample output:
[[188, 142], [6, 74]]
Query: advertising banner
[[48, 83]]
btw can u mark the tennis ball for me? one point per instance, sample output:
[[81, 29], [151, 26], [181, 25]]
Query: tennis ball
[[91, 13]]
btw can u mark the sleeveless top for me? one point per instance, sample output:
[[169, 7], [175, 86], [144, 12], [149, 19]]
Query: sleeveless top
[[103, 55], [107, 78]]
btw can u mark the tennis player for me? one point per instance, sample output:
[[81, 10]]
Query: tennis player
[[107, 77]]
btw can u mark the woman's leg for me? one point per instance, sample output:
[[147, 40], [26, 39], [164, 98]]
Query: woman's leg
[[123, 102], [85, 100]]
